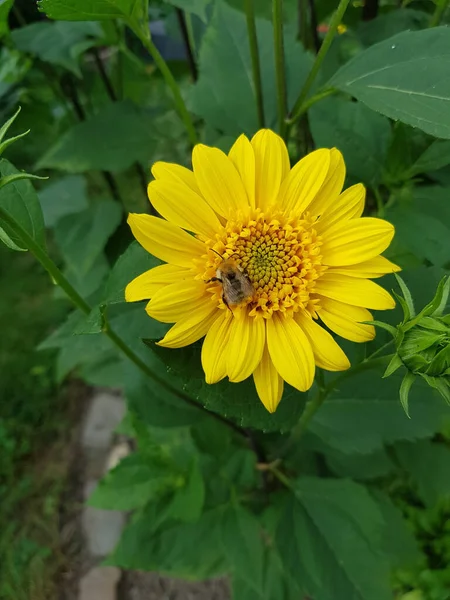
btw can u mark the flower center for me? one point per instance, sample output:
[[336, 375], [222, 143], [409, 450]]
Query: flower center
[[278, 254]]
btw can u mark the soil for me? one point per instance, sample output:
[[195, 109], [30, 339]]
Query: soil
[[150, 586]]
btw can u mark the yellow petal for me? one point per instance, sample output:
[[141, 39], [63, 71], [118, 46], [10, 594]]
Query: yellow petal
[[354, 291], [214, 349], [243, 158], [192, 328], [349, 205], [180, 205], [218, 180], [175, 174], [331, 187], [375, 267], [269, 385], [272, 166], [355, 241], [165, 240], [290, 351], [346, 320], [304, 181], [327, 353], [178, 300], [146, 285], [245, 346]]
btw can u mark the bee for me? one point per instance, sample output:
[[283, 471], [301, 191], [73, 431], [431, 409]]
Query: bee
[[236, 285]]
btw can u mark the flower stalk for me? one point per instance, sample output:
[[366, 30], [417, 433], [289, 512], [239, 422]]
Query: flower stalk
[[277, 10], [256, 68]]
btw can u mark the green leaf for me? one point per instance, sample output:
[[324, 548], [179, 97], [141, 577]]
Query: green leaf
[[395, 363], [62, 197], [133, 262], [224, 95], [4, 237], [243, 544], [386, 25], [436, 156], [407, 297], [429, 466], [133, 11], [196, 7], [238, 402], [329, 538], [404, 78], [112, 140], [360, 466], [5, 7], [365, 413], [93, 323], [20, 201], [81, 237], [187, 504], [58, 43], [135, 481], [359, 133], [188, 550]]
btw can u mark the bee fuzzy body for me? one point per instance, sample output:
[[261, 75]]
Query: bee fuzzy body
[[236, 285]]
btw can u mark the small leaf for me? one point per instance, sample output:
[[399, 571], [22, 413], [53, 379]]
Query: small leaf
[[406, 295], [243, 544], [404, 305], [389, 328], [4, 237], [4, 128], [439, 302], [93, 323], [187, 504], [436, 156], [5, 7], [395, 363], [405, 387], [439, 384]]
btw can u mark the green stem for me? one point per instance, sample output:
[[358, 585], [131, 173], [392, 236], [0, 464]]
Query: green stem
[[308, 103], [335, 21], [281, 477], [438, 12], [172, 84], [380, 203], [277, 10], [59, 278], [256, 68]]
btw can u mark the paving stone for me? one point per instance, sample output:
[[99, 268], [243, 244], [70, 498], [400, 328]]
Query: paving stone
[[102, 529], [117, 453], [105, 413], [99, 583]]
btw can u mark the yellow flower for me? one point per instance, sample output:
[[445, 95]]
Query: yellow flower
[[291, 237]]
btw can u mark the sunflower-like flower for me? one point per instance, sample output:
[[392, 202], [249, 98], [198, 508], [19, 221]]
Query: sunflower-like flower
[[259, 257]]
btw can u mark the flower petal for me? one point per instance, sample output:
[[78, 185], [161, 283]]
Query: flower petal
[[245, 346], [175, 174], [243, 158], [346, 320], [327, 353], [304, 181], [178, 300], [372, 268], [218, 180], [165, 240], [272, 166], [331, 187], [269, 385], [290, 351], [146, 285], [354, 291], [192, 328], [349, 205], [214, 349], [355, 241], [180, 205]]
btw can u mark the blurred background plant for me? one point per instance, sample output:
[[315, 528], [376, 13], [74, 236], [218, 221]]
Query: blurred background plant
[[100, 113]]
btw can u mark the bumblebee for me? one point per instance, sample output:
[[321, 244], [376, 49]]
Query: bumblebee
[[236, 285]]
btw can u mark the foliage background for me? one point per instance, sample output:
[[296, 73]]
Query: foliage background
[[363, 512]]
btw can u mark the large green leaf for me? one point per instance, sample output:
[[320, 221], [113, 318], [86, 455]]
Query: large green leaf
[[405, 78], [20, 201], [224, 94], [242, 541], [359, 133], [187, 504], [196, 7], [365, 412], [436, 156], [238, 402], [136, 480], [5, 7], [62, 197], [429, 466], [329, 538], [81, 237], [58, 43], [389, 24], [111, 140]]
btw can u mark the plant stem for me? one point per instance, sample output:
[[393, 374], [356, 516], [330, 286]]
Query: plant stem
[[59, 278], [256, 68], [335, 21], [172, 84], [308, 103], [277, 10], [380, 203], [187, 43], [438, 12]]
